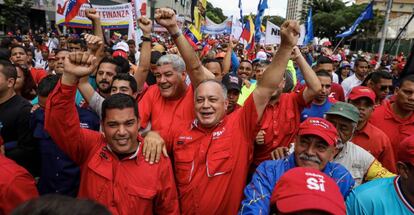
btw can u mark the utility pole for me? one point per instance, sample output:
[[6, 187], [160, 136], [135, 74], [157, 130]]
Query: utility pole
[[384, 32]]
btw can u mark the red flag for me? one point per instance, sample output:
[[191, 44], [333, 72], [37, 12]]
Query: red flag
[[73, 9]]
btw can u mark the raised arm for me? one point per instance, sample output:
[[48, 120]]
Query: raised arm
[[227, 58], [61, 118], [273, 75], [141, 74], [167, 18], [313, 85], [96, 22]]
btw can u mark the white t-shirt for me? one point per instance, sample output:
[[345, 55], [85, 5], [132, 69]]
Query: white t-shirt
[[349, 83]]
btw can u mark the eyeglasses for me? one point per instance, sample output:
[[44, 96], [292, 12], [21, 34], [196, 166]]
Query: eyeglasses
[[385, 87]]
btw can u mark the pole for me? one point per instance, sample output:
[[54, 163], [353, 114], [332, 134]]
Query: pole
[[384, 32], [337, 45], [401, 32]]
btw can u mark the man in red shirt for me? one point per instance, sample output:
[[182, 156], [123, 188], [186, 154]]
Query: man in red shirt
[[212, 153], [16, 185], [396, 118], [18, 55], [113, 169], [281, 117], [171, 99], [325, 63], [367, 135]]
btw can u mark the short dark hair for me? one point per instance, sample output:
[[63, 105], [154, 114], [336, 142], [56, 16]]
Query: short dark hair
[[247, 61], [409, 78], [129, 78], [18, 46], [9, 70], [131, 42], [360, 60], [119, 101], [110, 60], [47, 84], [209, 60], [123, 65], [155, 56], [61, 50], [60, 205], [377, 76], [324, 60], [323, 73]]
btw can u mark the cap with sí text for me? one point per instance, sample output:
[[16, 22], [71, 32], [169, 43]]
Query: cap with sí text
[[302, 189], [321, 128]]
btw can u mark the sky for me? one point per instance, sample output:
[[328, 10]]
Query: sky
[[231, 7]]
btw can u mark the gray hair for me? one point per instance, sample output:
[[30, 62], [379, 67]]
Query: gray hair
[[176, 61], [224, 89]]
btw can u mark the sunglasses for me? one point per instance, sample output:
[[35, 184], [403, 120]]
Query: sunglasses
[[383, 88]]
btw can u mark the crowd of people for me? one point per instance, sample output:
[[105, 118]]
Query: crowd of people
[[95, 125]]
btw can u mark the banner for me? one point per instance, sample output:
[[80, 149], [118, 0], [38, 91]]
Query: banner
[[112, 16], [212, 28], [272, 33], [236, 28]]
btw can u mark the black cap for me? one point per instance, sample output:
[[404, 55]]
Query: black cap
[[232, 82]]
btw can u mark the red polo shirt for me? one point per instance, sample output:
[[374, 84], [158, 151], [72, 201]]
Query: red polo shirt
[[38, 74], [280, 123], [163, 113], [211, 165], [377, 143], [16, 185], [127, 186], [392, 125]]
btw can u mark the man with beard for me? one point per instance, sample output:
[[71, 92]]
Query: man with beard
[[315, 147], [322, 102], [367, 135], [395, 118], [361, 71], [281, 118]]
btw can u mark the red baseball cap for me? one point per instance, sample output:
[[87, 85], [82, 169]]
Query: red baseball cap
[[321, 128], [406, 150], [301, 189], [360, 92], [120, 53]]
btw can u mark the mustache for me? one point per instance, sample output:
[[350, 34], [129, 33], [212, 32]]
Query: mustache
[[311, 158], [104, 82]]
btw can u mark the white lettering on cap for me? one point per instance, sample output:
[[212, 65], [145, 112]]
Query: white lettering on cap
[[316, 184]]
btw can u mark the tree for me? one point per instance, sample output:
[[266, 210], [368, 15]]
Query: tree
[[15, 12], [215, 14], [277, 20]]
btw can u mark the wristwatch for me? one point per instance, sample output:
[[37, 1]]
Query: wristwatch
[[146, 39], [176, 35]]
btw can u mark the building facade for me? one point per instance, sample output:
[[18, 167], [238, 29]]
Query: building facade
[[295, 8], [399, 7]]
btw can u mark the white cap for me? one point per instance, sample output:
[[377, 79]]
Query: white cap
[[121, 46], [261, 55]]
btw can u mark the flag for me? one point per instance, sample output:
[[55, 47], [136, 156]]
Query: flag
[[193, 36], [241, 12], [309, 29], [367, 14], [248, 30], [261, 7], [73, 9]]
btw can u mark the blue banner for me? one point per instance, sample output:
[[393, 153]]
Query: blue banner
[[367, 14], [261, 7], [309, 29]]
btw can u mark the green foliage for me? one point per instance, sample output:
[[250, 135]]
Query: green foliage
[[15, 12], [277, 20], [333, 17], [214, 13]]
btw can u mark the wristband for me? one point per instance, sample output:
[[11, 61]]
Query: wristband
[[176, 35], [146, 39]]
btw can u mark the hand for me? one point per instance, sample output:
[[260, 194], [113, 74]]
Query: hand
[[247, 83], [295, 53], [279, 153], [92, 14], [289, 33], [260, 137], [173, 50], [153, 146], [94, 43], [233, 43], [34, 108], [79, 64], [145, 25], [166, 18]]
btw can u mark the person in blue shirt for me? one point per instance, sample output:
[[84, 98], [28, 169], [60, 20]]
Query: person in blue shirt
[[321, 104], [59, 174], [314, 148], [389, 195]]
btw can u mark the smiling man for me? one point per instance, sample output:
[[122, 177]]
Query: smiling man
[[113, 171], [314, 148]]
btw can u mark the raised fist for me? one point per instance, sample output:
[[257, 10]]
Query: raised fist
[[94, 43], [166, 18], [289, 33], [145, 25], [79, 64], [92, 14], [295, 53]]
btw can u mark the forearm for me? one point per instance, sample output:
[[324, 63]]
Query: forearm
[[97, 29], [227, 60], [85, 89], [312, 81], [144, 63]]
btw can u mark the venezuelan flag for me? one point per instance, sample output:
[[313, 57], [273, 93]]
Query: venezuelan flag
[[73, 9], [248, 32], [193, 36]]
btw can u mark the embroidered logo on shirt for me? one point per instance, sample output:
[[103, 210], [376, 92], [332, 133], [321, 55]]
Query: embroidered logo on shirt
[[217, 134]]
